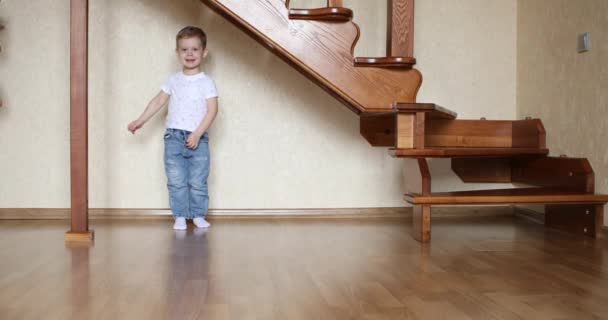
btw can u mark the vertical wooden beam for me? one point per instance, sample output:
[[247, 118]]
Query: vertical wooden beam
[[421, 223], [78, 122], [334, 3], [1, 28], [420, 130], [418, 181], [405, 124], [400, 29]]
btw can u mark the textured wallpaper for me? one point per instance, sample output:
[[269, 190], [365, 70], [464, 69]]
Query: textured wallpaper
[[278, 142], [566, 89]]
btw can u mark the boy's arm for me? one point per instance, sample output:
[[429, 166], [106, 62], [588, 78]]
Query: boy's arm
[[153, 107], [193, 139]]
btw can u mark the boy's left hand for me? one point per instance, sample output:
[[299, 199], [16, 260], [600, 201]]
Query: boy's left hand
[[193, 140]]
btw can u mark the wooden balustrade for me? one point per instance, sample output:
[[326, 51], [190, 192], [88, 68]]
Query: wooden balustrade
[[400, 28], [400, 31], [399, 38], [323, 52]]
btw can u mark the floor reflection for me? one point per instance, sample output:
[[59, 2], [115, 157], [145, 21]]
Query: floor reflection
[[80, 280], [188, 278]]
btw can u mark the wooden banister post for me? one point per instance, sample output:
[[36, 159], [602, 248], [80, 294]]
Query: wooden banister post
[[400, 29], [334, 3], [1, 28], [79, 219]]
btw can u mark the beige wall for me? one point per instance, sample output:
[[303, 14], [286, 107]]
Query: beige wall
[[566, 89], [279, 141]]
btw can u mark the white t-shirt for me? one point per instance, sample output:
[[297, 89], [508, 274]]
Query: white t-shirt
[[188, 101]]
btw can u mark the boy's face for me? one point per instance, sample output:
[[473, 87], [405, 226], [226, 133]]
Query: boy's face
[[190, 52]]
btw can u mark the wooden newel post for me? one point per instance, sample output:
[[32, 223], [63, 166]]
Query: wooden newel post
[[79, 220], [400, 29]]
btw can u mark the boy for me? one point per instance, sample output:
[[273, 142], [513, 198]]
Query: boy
[[193, 105]]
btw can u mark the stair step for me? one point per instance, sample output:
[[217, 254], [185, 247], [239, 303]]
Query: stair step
[[379, 128], [466, 152], [334, 14], [386, 62], [432, 110], [508, 196]]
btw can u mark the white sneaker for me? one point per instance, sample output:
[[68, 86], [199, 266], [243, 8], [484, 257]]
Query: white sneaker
[[180, 224], [200, 222]]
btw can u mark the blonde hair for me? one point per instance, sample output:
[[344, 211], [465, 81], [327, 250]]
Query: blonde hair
[[191, 32]]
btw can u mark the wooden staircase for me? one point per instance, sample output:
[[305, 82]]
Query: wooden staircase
[[320, 42], [323, 52]]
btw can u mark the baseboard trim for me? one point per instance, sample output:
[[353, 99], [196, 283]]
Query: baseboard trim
[[63, 214], [150, 214], [34, 214]]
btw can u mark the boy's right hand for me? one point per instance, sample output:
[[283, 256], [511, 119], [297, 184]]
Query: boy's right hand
[[134, 126]]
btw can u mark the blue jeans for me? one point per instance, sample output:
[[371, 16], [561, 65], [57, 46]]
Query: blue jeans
[[187, 171]]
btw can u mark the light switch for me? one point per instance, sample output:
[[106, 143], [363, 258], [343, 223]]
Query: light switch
[[583, 42]]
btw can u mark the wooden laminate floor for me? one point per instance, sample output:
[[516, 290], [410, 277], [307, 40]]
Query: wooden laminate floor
[[475, 268]]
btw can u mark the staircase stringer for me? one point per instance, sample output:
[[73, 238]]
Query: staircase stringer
[[323, 52]]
